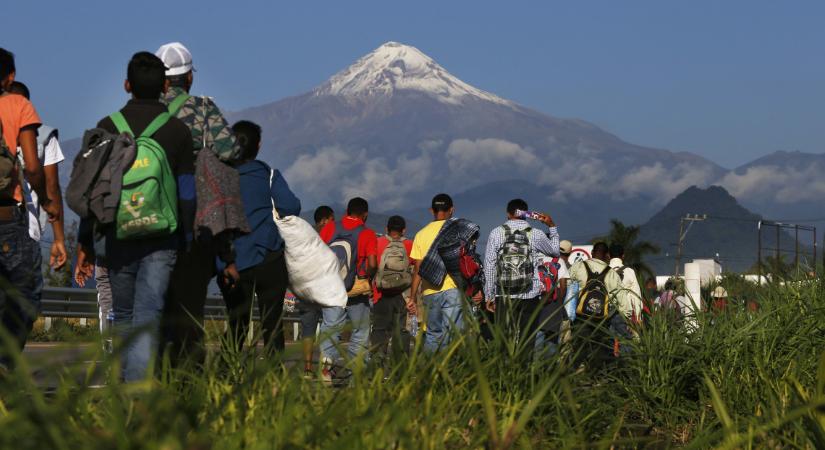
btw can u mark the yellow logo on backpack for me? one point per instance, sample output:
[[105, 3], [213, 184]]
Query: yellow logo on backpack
[[148, 197]]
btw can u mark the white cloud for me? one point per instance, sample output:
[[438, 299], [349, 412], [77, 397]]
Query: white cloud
[[781, 184], [340, 174], [474, 157], [662, 183]]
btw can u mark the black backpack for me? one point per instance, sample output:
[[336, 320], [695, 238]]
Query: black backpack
[[593, 297]]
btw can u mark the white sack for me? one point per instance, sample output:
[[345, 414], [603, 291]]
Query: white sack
[[312, 266]]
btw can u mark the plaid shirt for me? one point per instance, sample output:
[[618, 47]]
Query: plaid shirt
[[541, 244]]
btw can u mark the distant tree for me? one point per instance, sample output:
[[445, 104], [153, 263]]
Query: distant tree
[[776, 267], [634, 250]]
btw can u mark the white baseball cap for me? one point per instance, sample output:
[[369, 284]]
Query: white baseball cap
[[176, 57], [565, 247]]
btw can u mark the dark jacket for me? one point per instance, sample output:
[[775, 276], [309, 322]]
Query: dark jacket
[[443, 256], [260, 187]]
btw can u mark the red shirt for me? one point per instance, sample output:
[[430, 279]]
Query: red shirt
[[367, 240], [383, 242]]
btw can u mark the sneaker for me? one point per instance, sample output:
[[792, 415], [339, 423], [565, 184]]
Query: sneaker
[[309, 374], [328, 376]]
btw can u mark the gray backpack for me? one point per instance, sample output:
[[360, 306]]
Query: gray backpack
[[514, 265], [394, 269], [97, 174]]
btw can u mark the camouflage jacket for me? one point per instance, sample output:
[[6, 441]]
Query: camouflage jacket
[[202, 114]]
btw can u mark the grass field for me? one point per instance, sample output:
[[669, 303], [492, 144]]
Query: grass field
[[744, 379]]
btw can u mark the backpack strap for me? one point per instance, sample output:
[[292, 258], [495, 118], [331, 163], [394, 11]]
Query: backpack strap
[[120, 123], [155, 124], [177, 103]]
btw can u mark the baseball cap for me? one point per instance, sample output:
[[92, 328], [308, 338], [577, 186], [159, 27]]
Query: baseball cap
[[719, 292], [442, 202], [565, 247], [176, 57]]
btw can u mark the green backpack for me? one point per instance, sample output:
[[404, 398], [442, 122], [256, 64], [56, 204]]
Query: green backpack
[[148, 197]]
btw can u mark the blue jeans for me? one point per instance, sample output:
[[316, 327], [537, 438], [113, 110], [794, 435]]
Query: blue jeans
[[334, 318], [21, 283], [139, 277], [444, 317]]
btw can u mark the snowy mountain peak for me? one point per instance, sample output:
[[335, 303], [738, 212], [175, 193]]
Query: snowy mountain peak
[[394, 67]]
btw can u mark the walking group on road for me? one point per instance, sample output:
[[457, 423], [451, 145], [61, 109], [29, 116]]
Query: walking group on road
[[170, 196]]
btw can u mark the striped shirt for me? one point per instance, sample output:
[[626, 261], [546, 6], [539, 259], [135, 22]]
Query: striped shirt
[[542, 245]]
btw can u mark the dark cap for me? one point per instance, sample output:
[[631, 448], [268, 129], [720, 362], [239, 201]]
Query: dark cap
[[442, 202]]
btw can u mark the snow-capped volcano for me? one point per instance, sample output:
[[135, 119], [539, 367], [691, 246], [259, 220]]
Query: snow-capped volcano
[[394, 67]]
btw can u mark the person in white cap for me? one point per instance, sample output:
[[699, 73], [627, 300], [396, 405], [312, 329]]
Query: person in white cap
[[720, 298], [182, 328]]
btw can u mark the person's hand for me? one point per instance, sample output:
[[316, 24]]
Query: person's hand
[[411, 306], [231, 275], [84, 269], [51, 208], [58, 255], [547, 220], [478, 297], [490, 305]]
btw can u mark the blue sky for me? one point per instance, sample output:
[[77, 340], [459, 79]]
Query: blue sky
[[731, 80]]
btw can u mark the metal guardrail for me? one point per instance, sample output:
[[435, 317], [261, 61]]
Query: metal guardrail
[[77, 303]]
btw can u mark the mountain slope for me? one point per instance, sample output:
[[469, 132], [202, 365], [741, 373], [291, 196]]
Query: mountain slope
[[730, 231], [395, 126]]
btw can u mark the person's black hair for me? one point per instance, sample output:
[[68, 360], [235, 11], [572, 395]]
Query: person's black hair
[[248, 135], [600, 248], [357, 207], [516, 204], [442, 203], [323, 212], [6, 63], [147, 74], [651, 280], [21, 89], [180, 81], [670, 285], [396, 223], [616, 250]]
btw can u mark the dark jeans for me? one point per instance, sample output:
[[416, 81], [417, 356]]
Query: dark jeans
[[519, 319], [389, 320], [139, 273], [182, 325], [595, 340], [268, 280], [21, 283]]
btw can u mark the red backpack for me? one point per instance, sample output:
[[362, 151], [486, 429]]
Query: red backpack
[[469, 263], [549, 276]]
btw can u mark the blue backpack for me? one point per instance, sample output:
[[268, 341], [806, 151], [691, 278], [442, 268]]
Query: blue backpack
[[345, 246]]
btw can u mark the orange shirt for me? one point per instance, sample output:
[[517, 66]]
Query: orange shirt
[[16, 112]]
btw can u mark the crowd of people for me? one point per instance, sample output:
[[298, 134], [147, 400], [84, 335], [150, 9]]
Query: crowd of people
[[171, 196]]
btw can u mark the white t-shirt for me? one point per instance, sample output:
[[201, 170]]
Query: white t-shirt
[[49, 154]]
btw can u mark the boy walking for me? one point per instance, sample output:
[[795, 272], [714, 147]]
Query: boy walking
[[260, 254]]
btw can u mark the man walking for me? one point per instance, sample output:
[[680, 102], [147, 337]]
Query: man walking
[[20, 257], [140, 265], [394, 276], [443, 302], [195, 267], [513, 286], [356, 247], [598, 286]]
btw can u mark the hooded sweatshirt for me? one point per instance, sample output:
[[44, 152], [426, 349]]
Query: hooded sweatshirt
[[258, 195]]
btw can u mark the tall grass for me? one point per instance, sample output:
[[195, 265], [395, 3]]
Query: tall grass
[[744, 379]]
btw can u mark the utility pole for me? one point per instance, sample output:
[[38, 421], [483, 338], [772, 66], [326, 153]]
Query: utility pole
[[690, 219]]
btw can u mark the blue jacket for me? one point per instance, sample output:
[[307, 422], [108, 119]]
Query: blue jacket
[[257, 196]]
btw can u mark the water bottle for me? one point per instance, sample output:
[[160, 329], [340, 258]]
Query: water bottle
[[107, 337]]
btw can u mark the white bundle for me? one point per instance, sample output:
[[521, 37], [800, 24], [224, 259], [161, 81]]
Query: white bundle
[[312, 266]]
